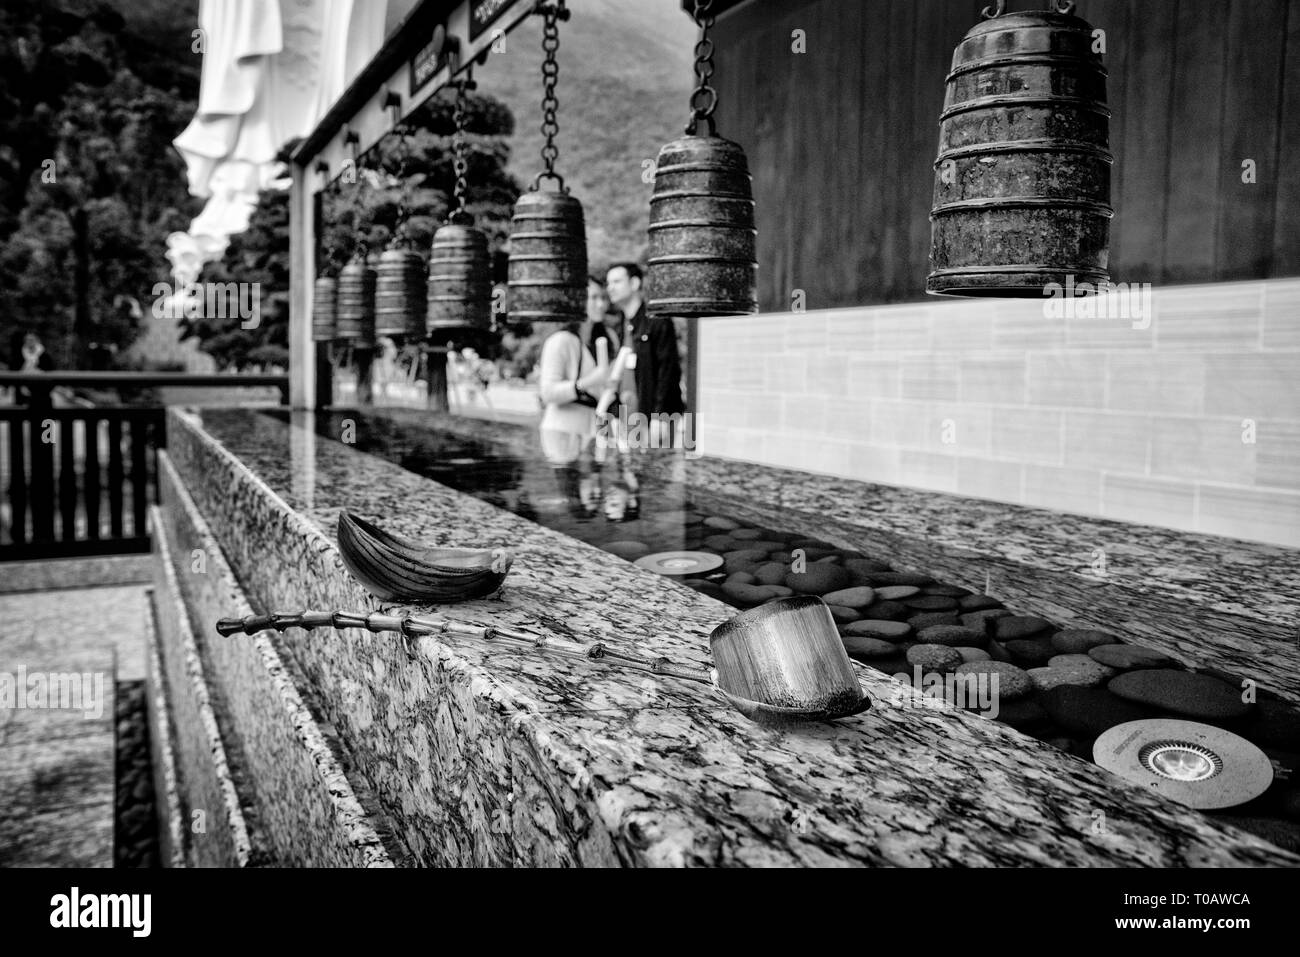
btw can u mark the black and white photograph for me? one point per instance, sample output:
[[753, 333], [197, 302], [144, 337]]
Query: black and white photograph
[[504, 435]]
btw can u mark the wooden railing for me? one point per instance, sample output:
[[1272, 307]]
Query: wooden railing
[[78, 481], [142, 380]]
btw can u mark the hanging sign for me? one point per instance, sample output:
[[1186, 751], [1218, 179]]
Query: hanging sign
[[483, 13], [431, 58]]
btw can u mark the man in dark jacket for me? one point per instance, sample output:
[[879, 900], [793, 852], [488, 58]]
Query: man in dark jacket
[[658, 370]]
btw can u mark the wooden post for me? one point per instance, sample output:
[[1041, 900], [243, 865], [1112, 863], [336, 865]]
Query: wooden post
[[365, 360], [324, 377], [324, 369], [437, 379], [692, 366], [302, 272]]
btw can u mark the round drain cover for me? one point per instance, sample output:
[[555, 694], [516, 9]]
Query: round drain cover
[[680, 563], [1194, 764]]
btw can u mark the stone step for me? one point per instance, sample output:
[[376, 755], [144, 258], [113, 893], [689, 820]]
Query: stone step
[[56, 755], [310, 809], [208, 818]]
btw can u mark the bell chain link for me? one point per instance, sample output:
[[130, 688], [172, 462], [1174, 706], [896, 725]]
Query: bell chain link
[[1000, 7], [460, 155], [704, 100], [400, 237], [552, 14]]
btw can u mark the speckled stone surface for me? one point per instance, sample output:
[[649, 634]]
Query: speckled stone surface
[[1204, 599], [482, 755], [36, 625], [1234, 577], [162, 753], [57, 760], [56, 763], [218, 835], [57, 573], [306, 806]]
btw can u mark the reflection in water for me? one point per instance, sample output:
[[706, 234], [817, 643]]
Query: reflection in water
[[561, 480], [302, 455], [592, 480]]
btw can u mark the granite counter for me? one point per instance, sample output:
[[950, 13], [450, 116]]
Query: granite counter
[[478, 755]]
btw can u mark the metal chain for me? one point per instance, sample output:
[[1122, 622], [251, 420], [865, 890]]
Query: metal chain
[[1000, 7], [460, 155], [400, 237], [551, 14], [704, 100]]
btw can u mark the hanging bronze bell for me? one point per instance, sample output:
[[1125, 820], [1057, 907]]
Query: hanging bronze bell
[[702, 235], [400, 294], [324, 301], [356, 303], [460, 279], [1022, 179], [547, 271]]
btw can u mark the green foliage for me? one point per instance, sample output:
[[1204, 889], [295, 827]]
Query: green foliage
[[625, 79], [412, 174], [416, 171], [259, 255], [89, 183]]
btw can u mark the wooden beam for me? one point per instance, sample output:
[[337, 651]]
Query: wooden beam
[[364, 108], [302, 274]]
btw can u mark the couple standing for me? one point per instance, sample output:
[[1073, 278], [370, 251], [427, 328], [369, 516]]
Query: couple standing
[[573, 378]]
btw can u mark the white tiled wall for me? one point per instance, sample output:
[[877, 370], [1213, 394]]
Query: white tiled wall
[[993, 399]]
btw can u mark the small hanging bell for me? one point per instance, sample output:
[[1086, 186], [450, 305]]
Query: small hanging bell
[[547, 273], [400, 294], [460, 280], [1022, 179], [324, 302], [547, 270], [356, 303], [702, 235], [460, 267]]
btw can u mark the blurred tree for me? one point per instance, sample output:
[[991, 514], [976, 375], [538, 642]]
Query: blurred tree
[[414, 171], [258, 255], [89, 183], [367, 210]]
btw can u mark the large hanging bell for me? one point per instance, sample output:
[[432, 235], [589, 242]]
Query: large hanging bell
[[702, 236], [547, 271], [324, 301], [1022, 180], [460, 280], [356, 303], [400, 294]]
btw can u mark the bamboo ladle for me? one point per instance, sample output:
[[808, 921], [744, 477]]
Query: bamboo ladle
[[778, 663]]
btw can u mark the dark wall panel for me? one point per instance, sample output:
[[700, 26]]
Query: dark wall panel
[[1286, 223], [1252, 91], [842, 138], [1199, 35], [1140, 88]]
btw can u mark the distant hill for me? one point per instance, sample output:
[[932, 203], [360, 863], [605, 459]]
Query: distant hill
[[625, 77]]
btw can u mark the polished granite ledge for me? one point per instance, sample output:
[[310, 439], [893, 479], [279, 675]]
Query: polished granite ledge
[[162, 753], [1240, 578], [481, 755], [307, 808], [54, 573], [216, 825], [1207, 601]]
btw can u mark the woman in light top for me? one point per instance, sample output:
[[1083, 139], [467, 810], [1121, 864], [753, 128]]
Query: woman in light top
[[571, 379]]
